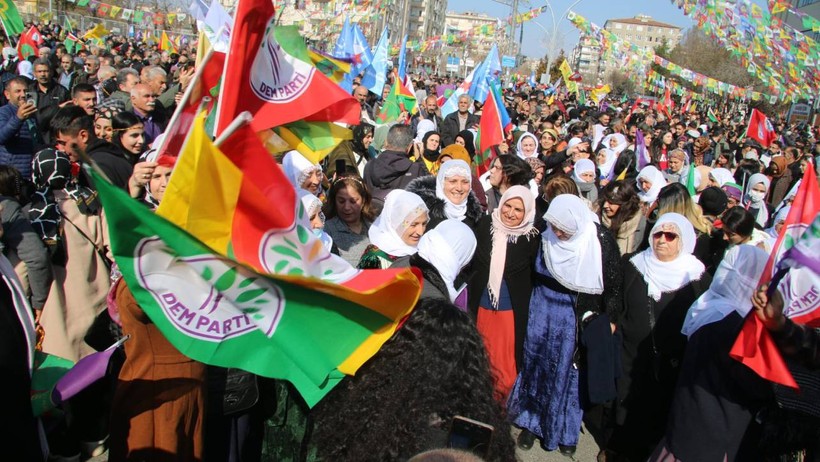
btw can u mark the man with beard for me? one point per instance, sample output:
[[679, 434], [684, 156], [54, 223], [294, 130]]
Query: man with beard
[[48, 96]]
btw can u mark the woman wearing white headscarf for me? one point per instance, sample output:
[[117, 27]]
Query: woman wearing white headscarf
[[754, 199], [650, 181], [527, 146], [501, 282], [448, 195], [732, 287], [614, 144], [584, 174], [302, 173], [577, 281], [396, 232], [442, 254], [717, 397], [659, 285], [720, 176], [316, 218]]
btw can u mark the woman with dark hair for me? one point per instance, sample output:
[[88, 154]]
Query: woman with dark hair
[[659, 285], [505, 171], [349, 216], [620, 211], [128, 135], [659, 149], [625, 166], [355, 152], [548, 143], [501, 284], [577, 282], [449, 194], [403, 400], [739, 228]]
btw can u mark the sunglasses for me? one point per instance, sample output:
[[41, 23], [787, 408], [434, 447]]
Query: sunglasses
[[666, 235]]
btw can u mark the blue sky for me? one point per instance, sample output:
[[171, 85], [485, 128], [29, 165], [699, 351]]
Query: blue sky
[[597, 11]]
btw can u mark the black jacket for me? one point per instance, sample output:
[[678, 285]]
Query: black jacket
[[425, 187], [390, 170], [449, 127], [112, 161]]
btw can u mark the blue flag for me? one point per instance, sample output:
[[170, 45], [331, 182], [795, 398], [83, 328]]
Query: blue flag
[[375, 75], [345, 41], [403, 58]]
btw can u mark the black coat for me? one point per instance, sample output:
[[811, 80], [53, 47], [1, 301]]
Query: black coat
[[648, 379], [449, 127], [433, 286], [425, 187], [517, 275]]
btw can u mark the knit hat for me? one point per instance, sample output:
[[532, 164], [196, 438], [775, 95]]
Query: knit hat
[[456, 151], [733, 191], [713, 201]]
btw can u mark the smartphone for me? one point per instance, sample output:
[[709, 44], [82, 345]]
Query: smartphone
[[340, 167], [31, 98], [470, 435]]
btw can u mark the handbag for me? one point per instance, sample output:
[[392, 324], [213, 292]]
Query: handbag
[[239, 390], [103, 332]]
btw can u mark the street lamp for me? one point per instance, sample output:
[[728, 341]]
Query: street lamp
[[554, 37]]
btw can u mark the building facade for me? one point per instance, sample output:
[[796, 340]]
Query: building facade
[[641, 31]]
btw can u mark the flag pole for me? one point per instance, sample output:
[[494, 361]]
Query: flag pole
[[187, 96], [241, 120], [11, 40]]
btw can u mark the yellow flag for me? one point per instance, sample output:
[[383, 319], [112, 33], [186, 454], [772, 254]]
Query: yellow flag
[[98, 32], [202, 47]]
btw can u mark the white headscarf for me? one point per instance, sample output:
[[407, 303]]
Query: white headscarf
[[25, 69], [575, 262], [760, 204], [722, 176], [780, 217], [448, 247], [455, 167], [732, 287], [313, 204], [612, 153], [661, 277], [518, 150], [424, 126], [401, 208], [654, 176], [583, 166], [297, 168], [503, 234]]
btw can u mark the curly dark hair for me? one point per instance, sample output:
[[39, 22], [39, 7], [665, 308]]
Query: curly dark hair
[[623, 195], [433, 369]]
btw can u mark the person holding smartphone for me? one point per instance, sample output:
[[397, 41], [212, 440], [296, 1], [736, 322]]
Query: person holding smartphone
[[17, 127]]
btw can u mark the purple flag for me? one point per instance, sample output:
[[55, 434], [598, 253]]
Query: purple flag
[[87, 371], [640, 150]]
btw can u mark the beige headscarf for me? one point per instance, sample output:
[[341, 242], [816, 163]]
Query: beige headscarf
[[502, 234]]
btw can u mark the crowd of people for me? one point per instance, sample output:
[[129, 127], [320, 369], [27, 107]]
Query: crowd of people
[[569, 282]]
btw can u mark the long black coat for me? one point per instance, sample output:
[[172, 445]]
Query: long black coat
[[425, 187], [647, 381], [517, 275]]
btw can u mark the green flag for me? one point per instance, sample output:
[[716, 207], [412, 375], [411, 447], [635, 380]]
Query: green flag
[[711, 115], [690, 180], [11, 18], [220, 312]]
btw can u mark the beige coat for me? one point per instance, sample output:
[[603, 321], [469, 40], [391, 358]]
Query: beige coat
[[78, 293]]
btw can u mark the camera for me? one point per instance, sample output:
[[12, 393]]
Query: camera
[[31, 98]]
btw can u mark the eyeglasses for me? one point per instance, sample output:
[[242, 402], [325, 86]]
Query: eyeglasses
[[666, 235]]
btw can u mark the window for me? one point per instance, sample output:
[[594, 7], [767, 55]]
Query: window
[[619, 26], [639, 28]]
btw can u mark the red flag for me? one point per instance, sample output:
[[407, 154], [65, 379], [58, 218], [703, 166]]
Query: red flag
[[494, 121], [270, 76], [29, 42], [761, 129], [754, 346], [205, 83]]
